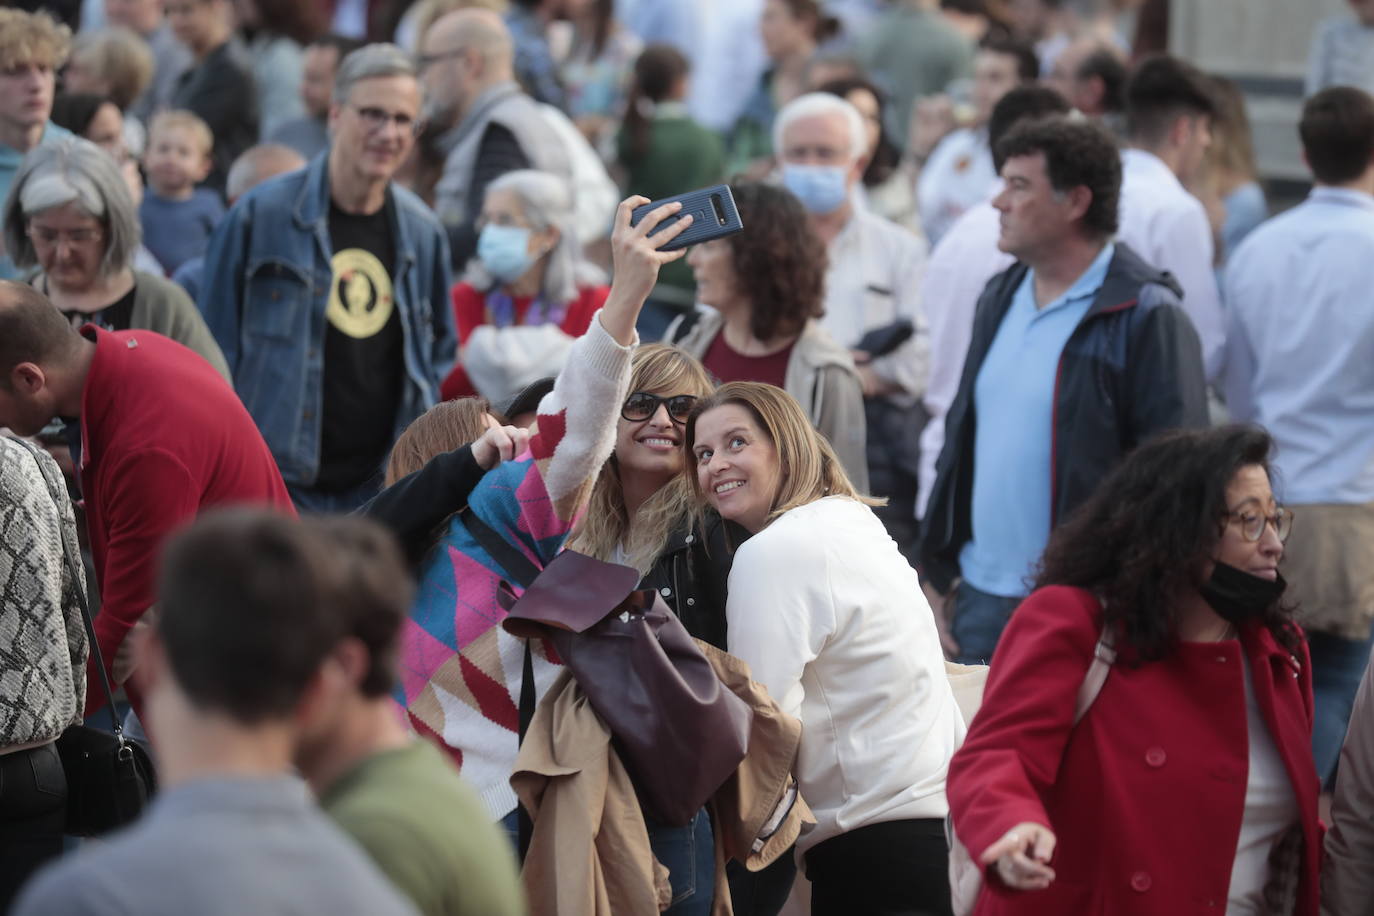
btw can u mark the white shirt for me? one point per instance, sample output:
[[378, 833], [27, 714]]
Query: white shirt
[[959, 269], [874, 279], [1168, 227], [1300, 344], [838, 631], [1271, 807], [958, 174]]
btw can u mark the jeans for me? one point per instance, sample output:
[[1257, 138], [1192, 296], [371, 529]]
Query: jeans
[[33, 812], [763, 892], [340, 502], [892, 868], [979, 619], [1337, 666], [689, 854]]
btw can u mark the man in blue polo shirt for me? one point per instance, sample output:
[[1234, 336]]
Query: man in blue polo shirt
[[1080, 350]]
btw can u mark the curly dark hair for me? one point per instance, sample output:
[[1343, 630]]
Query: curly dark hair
[[1141, 540], [1077, 154], [779, 260]]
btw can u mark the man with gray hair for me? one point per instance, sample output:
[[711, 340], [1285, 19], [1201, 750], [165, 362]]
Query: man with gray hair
[[483, 123], [872, 301], [327, 289]]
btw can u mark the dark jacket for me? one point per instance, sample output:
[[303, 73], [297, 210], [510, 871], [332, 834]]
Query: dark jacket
[[690, 573], [1132, 367], [221, 90]]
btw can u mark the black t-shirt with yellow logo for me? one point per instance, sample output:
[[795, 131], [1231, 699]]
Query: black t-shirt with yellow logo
[[364, 350]]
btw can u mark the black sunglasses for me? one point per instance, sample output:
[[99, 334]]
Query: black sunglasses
[[641, 406]]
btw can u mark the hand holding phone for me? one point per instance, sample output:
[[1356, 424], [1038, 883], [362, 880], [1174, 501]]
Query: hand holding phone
[[713, 216]]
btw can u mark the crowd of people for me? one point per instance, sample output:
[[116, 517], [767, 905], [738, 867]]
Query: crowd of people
[[1011, 467]]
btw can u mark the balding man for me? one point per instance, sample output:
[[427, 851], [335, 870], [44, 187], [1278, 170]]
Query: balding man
[[256, 165], [484, 123], [162, 437], [1091, 74]]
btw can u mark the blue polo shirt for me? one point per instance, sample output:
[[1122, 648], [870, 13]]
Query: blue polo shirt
[[1013, 401]]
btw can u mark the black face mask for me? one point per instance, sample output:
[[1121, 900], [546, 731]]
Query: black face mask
[[1237, 596]]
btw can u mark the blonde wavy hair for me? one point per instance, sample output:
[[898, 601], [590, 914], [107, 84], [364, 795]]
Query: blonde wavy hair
[[35, 38], [444, 427], [658, 369], [809, 468]]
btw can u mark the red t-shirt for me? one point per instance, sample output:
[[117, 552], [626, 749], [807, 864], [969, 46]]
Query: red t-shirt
[[470, 313], [722, 361]]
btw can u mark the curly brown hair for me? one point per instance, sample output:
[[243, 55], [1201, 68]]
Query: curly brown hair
[[1141, 540], [779, 260]]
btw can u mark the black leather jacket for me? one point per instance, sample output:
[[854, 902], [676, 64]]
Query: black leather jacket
[[1132, 367]]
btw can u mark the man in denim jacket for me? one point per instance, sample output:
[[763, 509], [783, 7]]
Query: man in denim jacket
[[327, 290]]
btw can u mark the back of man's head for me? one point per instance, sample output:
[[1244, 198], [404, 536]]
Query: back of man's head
[[1078, 153], [484, 33], [1159, 90], [1337, 130], [1106, 65], [1024, 103], [257, 164], [32, 330], [246, 613], [374, 594]]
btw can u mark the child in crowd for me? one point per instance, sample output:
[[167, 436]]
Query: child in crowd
[[177, 216]]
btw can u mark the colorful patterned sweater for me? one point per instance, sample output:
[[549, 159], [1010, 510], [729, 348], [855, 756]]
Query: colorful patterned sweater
[[460, 672]]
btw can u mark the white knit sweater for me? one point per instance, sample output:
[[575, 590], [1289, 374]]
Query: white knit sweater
[[43, 643], [831, 619]]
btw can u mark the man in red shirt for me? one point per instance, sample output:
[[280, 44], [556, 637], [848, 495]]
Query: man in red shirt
[[162, 436]]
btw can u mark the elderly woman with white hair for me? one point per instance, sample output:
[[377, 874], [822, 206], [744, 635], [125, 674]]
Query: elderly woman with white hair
[[70, 221], [528, 295]]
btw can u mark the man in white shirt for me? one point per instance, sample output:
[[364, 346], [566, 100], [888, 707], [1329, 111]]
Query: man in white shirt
[[1169, 111], [960, 267], [1299, 339], [872, 284], [959, 172]]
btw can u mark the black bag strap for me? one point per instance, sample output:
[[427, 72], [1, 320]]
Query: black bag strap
[[77, 579], [523, 571]]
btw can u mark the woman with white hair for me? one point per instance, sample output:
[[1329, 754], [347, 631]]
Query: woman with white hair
[[529, 293], [70, 221]]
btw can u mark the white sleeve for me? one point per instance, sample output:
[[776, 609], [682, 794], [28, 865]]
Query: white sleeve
[[502, 361], [1185, 238], [780, 612]]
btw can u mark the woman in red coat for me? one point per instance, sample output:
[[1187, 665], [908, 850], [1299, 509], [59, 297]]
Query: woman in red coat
[[1188, 786]]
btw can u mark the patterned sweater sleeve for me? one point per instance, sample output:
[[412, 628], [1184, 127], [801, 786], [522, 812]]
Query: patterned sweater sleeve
[[538, 497]]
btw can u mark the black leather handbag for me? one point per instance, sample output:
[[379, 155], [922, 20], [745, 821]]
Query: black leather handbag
[[109, 777]]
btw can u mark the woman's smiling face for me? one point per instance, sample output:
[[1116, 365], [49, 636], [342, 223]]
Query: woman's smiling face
[[737, 465]]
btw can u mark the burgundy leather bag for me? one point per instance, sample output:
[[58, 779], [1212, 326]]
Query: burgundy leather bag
[[679, 731]]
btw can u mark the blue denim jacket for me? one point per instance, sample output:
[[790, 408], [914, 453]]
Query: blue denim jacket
[[264, 292]]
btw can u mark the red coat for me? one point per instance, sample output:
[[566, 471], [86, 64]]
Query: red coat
[[162, 436], [1145, 796]]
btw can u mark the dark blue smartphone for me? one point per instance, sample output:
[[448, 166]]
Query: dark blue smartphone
[[713, 216]]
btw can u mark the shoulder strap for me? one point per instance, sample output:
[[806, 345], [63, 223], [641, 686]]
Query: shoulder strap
[[1098, 669], [685, 323], [78, 585], [516, 565]]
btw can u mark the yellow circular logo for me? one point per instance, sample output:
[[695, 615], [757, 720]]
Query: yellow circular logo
[[360, 300]]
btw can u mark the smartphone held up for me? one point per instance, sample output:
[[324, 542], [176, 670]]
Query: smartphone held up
[[713, 216]]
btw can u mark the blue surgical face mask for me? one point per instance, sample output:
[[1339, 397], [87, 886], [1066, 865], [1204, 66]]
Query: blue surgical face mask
[[505, 251], [820, 188]]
